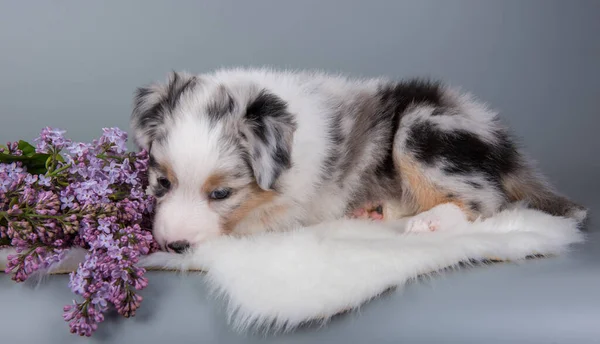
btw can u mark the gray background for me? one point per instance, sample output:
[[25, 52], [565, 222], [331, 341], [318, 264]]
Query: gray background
[[75, 65]]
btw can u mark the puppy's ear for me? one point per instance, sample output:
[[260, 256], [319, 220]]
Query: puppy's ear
[[268, 131], [153, 106]]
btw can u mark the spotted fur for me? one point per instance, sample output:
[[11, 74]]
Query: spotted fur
[[299, 148]]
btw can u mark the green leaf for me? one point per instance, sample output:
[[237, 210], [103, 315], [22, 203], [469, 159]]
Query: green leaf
[[35, 163], [27, 148], [37, 170], [7, 158]]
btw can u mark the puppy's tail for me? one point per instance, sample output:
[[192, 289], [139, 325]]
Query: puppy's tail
[[528, 186]]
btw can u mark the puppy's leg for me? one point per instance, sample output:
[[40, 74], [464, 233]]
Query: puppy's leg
[[450, 158], [426, 188]]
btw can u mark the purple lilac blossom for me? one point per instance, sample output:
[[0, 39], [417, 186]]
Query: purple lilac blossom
[[92, 196]]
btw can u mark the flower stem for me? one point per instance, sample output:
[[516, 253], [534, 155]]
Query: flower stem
[[56, 172], [40, 216], [108, 156]]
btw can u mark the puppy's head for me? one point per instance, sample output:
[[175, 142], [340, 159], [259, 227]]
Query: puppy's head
[[217, 151]]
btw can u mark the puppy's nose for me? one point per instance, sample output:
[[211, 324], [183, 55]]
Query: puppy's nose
[[178, 246]]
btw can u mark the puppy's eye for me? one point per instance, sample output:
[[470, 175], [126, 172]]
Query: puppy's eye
[[219, 194], [164, 182]]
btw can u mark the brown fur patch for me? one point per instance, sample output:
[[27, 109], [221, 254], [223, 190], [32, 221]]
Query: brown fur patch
[[257, 198], [515, 189], [271, 215], [212, 182], [171, 176], [423, 193], [167, 171]]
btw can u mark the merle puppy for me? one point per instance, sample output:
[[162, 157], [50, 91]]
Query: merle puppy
[[241, 151]]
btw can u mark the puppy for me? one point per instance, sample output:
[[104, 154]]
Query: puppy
[[242, 151]]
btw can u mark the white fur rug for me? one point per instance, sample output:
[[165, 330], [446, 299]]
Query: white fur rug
[[281, 280]]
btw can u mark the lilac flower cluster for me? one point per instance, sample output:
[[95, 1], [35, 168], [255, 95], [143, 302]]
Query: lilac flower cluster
[[88, 195]]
